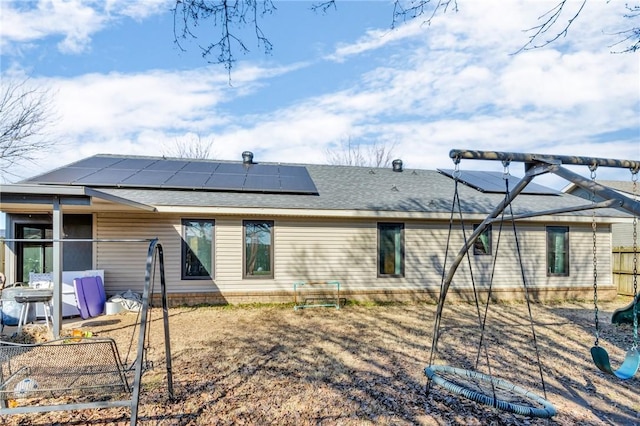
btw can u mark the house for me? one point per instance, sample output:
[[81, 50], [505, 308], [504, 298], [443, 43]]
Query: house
[[245, 231], [622, 232]]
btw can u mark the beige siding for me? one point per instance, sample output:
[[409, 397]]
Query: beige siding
[[532, 244], [326, 250], [622, 234], [228, 253], [345, 250], [124, 262]]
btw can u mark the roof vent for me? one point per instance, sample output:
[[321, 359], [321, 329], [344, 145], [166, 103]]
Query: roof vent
[[397, 165], [247, 157]]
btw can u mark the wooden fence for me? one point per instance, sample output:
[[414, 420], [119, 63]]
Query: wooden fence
[[623, 269]]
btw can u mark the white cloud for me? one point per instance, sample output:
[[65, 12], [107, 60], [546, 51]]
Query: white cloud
[[122, 104], [74, 20], [138, 9], [375, 39], [454, 84]]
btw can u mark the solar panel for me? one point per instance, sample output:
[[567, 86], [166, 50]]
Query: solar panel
[[167, 165], [186, 180], [182, 174], [105, 177], [262, 170], [298, 184], [493, 182], [295, 171], [132, 164], [147, 178], [65, 176], [96, 162], [200, 166], [225, 182], [234, 168], [262, 183]]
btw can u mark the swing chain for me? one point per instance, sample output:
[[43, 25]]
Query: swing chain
[[505, 172], [456, 170], [593, 168], [634, 179]]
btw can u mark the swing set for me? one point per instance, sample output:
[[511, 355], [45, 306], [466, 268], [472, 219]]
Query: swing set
[[485, 388], [34, 378]]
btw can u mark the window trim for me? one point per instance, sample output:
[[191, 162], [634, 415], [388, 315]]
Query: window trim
[[379, 227], [184, 247], [566, 251], [489, 230], [271, 224]]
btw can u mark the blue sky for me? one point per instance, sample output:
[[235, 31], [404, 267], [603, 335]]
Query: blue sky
[[121, 85]]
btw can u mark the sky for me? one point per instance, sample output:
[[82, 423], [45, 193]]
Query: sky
[[119, 84]]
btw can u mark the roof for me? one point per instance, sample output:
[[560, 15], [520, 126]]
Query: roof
[[341, 190], [618, 185]]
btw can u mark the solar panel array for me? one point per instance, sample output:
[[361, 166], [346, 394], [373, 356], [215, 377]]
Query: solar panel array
[[109, 171], [493, 182]]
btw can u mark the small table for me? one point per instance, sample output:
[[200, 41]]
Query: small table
[[28, 296], [316, 288]]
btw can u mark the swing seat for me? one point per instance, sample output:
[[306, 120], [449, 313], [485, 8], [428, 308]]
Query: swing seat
[[490, 391], [625, 314], [626, 371]]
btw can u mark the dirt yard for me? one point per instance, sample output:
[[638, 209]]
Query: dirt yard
[[364, 365]]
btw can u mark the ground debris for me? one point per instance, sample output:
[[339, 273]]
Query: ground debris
[[362, 365]]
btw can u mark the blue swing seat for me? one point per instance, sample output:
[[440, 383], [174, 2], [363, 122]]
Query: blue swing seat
[[626, 371]]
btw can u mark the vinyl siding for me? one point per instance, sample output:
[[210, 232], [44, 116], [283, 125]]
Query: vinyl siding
[[344, 250], [124, 262], [623, 234], [326, 250]]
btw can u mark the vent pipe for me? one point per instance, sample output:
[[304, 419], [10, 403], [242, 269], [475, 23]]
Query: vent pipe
[[247, 157], [397, 165]]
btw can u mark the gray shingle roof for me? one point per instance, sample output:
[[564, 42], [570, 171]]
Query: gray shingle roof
[[618, 185], [378, 191], [361, 189]]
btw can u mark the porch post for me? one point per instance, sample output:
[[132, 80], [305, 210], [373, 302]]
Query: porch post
[[57, 267]]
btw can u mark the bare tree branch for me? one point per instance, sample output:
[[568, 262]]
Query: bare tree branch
[[324, 6], [191, 147], [631, 35], [408, 10], [351, 153], [25, 112], [229, 16], [549, 21]]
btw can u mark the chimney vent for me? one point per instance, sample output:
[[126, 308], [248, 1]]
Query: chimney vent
[[397, 165], [247, 157]]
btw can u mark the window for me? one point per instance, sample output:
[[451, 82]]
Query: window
[[390, 249], [258, 249], [483, 244], [557, 250], [197, 249], [34, 255]]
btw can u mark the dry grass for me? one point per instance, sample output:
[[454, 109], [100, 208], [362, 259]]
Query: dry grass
[[364, 365]]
